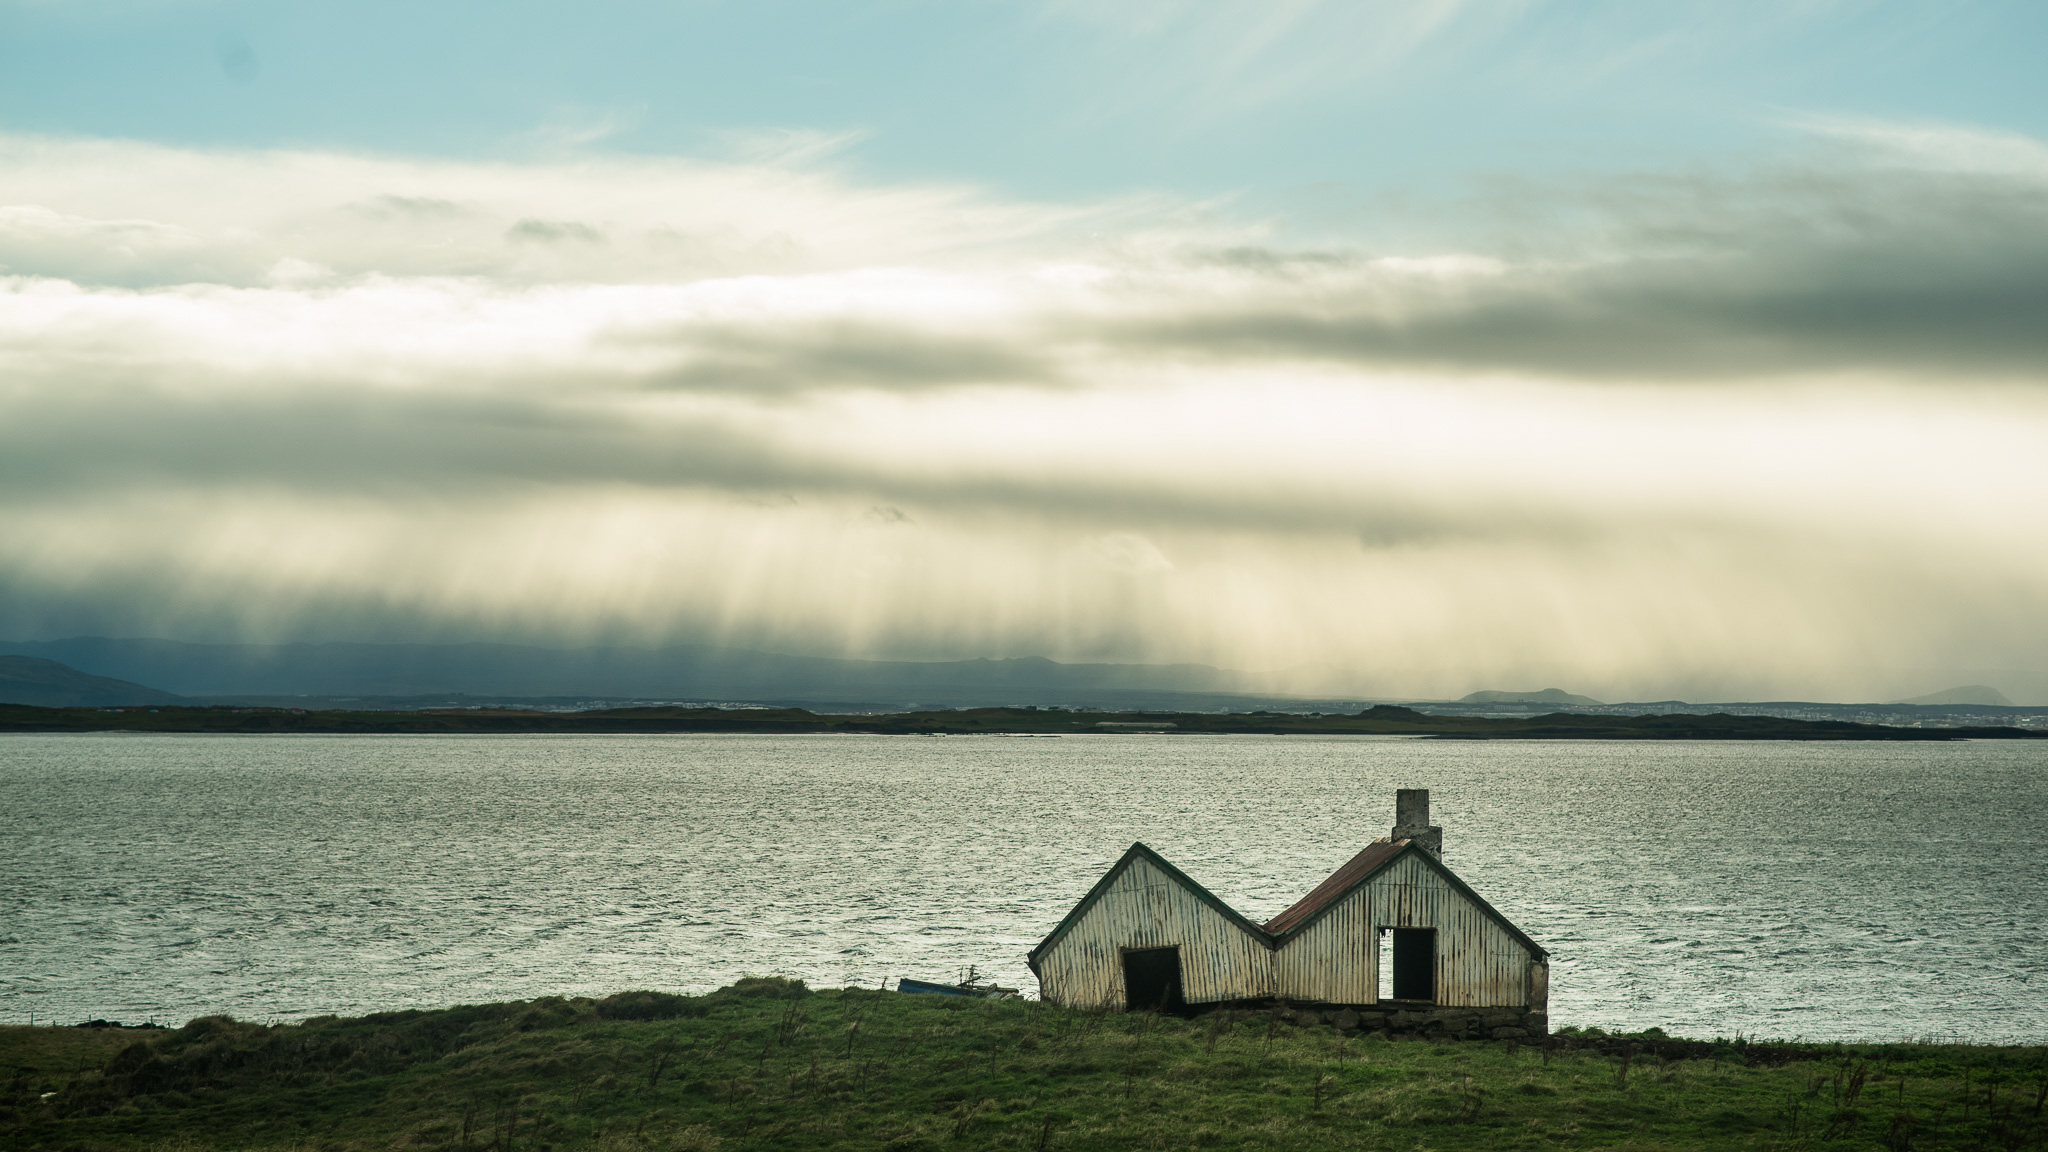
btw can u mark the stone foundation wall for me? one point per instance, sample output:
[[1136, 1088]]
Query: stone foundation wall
[[1425, 1020]]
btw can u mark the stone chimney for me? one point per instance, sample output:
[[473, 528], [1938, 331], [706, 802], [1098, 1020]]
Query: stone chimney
[[1411, 820]]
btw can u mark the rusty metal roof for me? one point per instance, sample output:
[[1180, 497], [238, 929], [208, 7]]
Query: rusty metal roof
[[1355, 869]]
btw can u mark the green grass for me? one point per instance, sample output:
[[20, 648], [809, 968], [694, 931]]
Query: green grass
[[767, 1065]]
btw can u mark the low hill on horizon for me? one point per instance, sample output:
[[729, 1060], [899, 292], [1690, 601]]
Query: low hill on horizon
[[1546, 696], [1965, 694], [48, 684]]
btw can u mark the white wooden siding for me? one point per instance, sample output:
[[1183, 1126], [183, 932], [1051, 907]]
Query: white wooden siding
[[1145, 908], [1336, 959]]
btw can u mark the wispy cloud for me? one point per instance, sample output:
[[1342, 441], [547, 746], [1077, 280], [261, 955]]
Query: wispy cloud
[[787, 146], [1772, 432], [1935, 145], [575, 125], [1238, 55], [227, 217]]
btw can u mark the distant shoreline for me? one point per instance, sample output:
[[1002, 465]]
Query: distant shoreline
[[1383, 720]]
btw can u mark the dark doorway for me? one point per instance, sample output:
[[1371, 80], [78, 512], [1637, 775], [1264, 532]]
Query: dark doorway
[[1152, 979], [1415, 964]]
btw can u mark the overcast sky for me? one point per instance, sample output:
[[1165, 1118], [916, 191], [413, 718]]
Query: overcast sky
[[1644, 350]]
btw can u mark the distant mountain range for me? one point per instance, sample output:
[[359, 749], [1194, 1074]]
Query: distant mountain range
[[342, 672], [96, 671]]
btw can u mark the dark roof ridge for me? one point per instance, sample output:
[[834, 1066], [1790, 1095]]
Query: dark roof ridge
[[1137, 851], [1335, 885], [1354, 873]]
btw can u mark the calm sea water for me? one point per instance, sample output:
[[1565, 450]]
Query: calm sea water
[[1818, 890]]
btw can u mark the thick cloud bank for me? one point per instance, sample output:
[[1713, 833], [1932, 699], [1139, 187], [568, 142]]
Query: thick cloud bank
[[1775, 433]]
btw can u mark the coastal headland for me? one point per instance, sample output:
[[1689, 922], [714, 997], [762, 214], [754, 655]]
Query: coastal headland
[[769, 1064], [1382, 720]]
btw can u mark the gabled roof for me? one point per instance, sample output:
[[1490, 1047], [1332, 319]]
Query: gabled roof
[[1138, 851], [1360, 869]]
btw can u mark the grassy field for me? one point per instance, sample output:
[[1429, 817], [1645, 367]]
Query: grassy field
[[769, 1065]]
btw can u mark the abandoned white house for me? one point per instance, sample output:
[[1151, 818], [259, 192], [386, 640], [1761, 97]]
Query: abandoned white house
[[1393, 937]]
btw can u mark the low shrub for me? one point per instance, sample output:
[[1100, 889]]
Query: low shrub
[[648, 1006]]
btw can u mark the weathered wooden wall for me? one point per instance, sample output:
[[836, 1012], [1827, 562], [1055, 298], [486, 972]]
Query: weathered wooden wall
[[1145, 908], [1336, 959]]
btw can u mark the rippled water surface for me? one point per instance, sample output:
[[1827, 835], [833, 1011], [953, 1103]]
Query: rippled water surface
[[1829, 890]]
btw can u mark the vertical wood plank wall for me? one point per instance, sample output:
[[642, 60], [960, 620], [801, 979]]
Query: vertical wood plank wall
[[1144, 908], [1336, 959]]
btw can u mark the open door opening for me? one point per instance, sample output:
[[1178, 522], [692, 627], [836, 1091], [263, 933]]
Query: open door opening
[[1152, 980], [1414, 963]]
